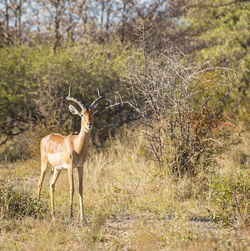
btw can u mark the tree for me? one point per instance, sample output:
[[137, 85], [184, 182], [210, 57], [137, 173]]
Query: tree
[[12, 22], [222, 27]]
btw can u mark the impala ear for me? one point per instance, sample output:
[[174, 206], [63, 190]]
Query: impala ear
[[73, 110]]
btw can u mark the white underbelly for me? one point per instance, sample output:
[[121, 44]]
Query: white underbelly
[[61, 167], [55, 159]]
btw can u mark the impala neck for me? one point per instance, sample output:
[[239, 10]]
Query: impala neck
[[84, 138]]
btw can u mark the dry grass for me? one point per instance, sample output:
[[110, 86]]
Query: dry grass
[[129, 205]]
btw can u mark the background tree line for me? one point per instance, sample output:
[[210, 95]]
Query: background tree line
[[46, 44]]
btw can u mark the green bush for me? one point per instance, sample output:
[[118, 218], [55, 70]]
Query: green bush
[[17, 204], [34, 84], [230, 199]]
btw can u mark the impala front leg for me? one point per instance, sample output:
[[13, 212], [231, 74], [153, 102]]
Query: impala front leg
[[52, 189], [80, 176], [71, 188]]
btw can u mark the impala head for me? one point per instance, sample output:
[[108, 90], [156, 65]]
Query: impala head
[[86, 113]]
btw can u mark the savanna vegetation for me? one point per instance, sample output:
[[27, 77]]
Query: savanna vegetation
[[168, 163]]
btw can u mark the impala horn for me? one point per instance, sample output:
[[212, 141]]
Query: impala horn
[[70, 98], [100, 97]]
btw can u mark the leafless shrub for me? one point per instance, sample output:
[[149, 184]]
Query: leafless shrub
[[181, 107]]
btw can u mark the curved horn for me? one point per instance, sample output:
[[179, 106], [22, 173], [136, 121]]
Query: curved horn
[[100, 97], [70, 98]]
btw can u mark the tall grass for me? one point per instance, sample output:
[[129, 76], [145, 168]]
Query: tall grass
[[129, 204]]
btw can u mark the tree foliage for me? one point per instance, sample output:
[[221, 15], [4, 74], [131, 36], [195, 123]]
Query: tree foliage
[[34, 82], [222, 31]]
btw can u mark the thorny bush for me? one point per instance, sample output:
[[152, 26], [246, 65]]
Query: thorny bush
[[181, 108]]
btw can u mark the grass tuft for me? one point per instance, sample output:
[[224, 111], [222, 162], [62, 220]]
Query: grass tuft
[[17, 204]]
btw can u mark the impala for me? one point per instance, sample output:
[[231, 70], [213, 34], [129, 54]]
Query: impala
[[68, 152]]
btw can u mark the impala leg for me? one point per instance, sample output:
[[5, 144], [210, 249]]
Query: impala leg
[[44, 166], [52, 189], [80, 176], [71, 188]]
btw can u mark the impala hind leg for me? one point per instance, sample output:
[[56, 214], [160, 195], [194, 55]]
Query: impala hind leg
[[44, 167], [52, 189]]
